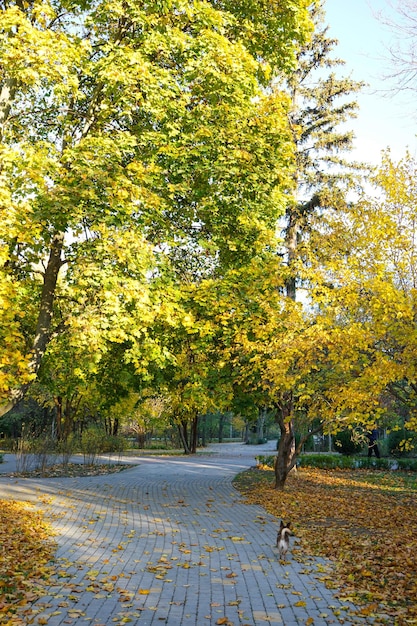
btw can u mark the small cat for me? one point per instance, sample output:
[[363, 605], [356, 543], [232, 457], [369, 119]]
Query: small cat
[[283, 539]]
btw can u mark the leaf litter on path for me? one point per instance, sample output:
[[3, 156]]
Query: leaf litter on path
[[363, 521]]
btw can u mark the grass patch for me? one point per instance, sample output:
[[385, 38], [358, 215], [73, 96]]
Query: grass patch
[[363, 520]]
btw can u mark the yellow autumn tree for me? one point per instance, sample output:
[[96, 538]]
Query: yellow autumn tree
[[364, 285]]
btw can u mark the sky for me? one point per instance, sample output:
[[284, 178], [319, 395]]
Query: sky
[[383, 120]]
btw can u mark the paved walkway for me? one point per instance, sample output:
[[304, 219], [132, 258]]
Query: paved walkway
[[170, 541]]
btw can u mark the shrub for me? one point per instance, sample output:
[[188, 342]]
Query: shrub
[[396, 437], [67, 447], [9, 444], [34, 453], [365, 462], [92, 440], [325, 461], [112, 444], [344, 443], [339, 461], [407, 464], [265, 460]]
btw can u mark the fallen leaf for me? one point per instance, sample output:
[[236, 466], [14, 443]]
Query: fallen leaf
[[363, 521]]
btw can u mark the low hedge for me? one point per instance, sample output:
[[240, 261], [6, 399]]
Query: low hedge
[[339, 461]]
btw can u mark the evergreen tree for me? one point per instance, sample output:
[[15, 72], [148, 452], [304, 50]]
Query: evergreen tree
[[321, 104]]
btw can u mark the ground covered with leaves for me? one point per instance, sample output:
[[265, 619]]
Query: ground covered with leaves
[[364, 521], [71, 470], [26, 545], [26, 549]]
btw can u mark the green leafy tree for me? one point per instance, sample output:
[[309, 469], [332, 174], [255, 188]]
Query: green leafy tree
[[127, 131]]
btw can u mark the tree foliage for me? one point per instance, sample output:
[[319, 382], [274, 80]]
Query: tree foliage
[[368, 290], [129, 131]]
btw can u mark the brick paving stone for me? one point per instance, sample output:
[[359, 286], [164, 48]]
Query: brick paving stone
[[170, 541]]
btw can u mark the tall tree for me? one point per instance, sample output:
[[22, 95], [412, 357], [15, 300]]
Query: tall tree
[[143, 122], [320, 105]]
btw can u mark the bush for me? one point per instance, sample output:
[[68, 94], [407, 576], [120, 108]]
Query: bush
[[366, 462], [409, 465], [396, 437], [112, 444], [325, 461], [9, 444], [344, 443], [265, 460], [67, 447], [339, 461], [92, 440], [34, 453]]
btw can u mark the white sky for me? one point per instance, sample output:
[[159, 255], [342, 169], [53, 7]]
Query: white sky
[[383, 121]]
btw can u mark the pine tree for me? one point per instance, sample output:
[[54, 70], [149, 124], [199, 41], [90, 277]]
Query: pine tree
[[321, 104]]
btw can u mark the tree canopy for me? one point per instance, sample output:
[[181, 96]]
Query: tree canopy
[[130, 132]]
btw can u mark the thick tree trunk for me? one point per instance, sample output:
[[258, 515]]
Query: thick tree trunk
[[43, 327], [286, 456], [260, 424], [204, 431], [68, 425], [246, 433], [285, 459]]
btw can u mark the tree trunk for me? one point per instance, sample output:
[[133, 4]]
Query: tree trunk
[[285, 459], [204, 431], [221, 426], [246, 433], [58, 407], [194, 435], [287, 454], [68, 419], [291, 242], [43, 327], [260, 425], [7, 94], [183, 432]]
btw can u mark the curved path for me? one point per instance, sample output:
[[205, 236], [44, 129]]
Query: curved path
[[170, 541]]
